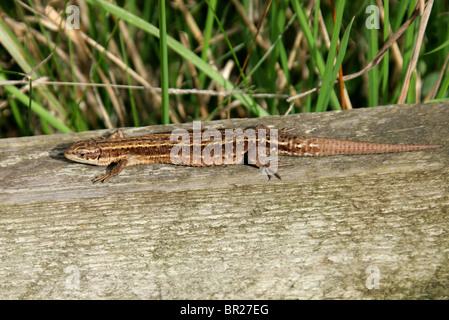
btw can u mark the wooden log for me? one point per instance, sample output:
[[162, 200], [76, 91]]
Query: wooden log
[[357, 227]]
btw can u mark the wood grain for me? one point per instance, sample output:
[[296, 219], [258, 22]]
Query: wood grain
[[168, 232]]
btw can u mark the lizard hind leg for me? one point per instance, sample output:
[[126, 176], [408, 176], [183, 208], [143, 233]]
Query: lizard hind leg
[[252, 158], [267, 169], [269, 172]]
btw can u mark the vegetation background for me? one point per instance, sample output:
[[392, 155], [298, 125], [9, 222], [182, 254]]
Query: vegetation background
[[104, 72]]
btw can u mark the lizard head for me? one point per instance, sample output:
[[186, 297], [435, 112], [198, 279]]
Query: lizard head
[[85, 151]]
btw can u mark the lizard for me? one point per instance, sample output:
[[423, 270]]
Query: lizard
[[157, 148]]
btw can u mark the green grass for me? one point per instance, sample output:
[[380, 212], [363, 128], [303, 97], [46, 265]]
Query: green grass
[[144, 50]]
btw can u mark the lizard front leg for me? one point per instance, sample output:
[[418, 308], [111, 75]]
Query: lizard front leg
[[122, 164]]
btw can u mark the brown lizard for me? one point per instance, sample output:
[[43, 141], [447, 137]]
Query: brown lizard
[[158, 148]]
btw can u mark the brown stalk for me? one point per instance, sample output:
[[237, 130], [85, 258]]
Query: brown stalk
[[192, 69], [376, 60], [250, 48], [340, 72], [412, 66]]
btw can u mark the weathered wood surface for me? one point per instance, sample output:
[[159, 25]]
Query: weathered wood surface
[[369, 226]]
